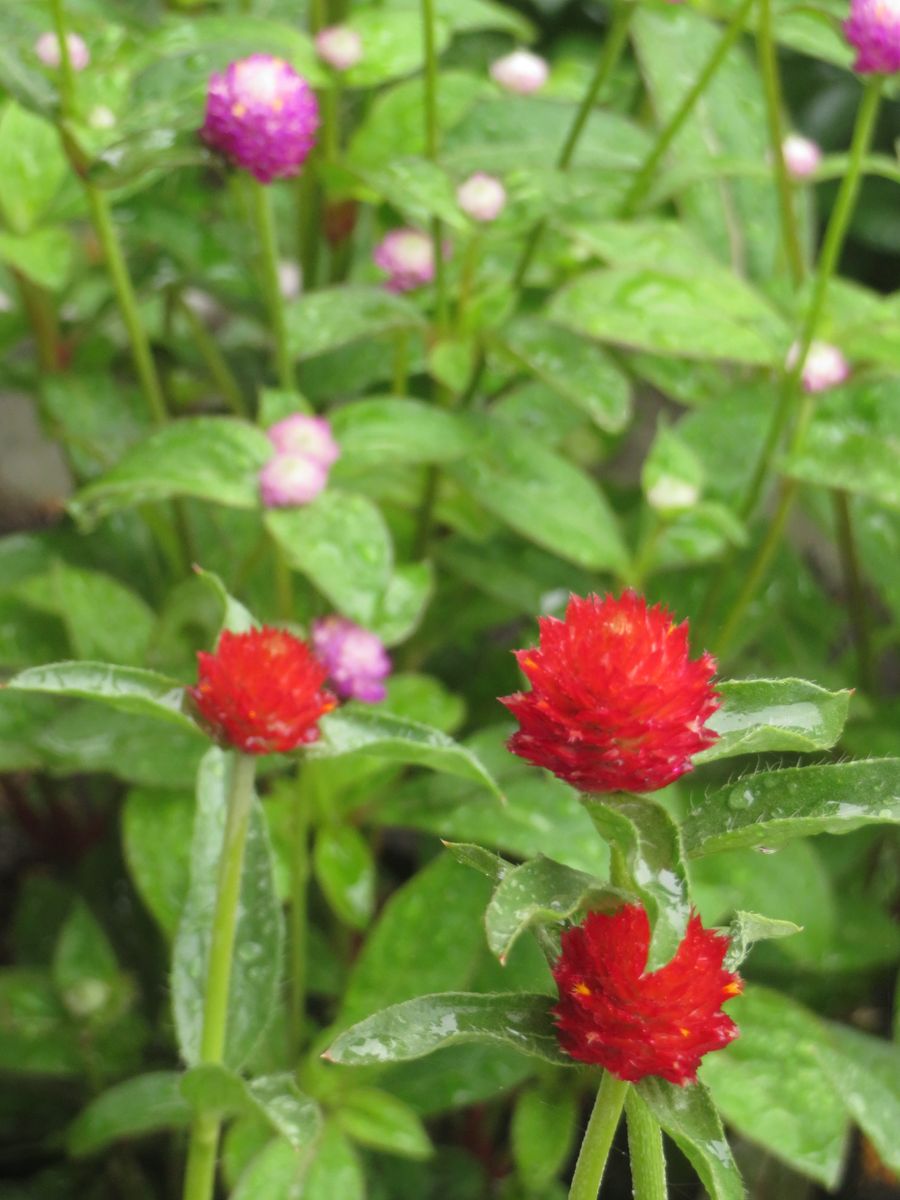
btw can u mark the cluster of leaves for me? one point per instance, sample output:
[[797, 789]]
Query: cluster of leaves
[[445, 528]]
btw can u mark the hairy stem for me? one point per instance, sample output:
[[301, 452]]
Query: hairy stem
[[645, 1150], [264, 220], [598, 1138]]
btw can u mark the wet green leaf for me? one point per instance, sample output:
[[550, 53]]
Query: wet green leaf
[[235, 616], [479, 859], [32, 166], [760, 715], [335, 1170], [689, 1117], [37, 1035], [145, 1104], [85, 970], [377, 1119], [775, 806], [156, 835], [418, 1027], [419, 189], [345, 869], [43, 255], [544, 1125], [210, 1088], [402, 606], [372, 432], [335, 317], [865, 1073], [393, 44], [747, 928]]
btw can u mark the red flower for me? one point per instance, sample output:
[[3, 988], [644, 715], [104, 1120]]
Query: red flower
[[617, 704], [612, 1014], [262, 691]]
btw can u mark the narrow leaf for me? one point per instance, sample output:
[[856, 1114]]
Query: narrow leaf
[[141, 1105]]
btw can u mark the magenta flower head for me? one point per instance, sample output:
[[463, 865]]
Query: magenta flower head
[[339, 47], [801, 156], [481, 197], [48, 50], [408, 257], [357, 661], [289, 480], [521, 72], [825, 367], [308, 436], [874, 31], [262, 116]]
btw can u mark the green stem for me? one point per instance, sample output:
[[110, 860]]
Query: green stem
[[300, 829], [42, 318], [264, 220], [331, 120], [284, 584], [66, 70], [645, 1150], [216, 363], [856, 593], [400, 382], [644, 178], [201, 1168], [309, 223], [598, 1138], [432, 146], [768, 65]]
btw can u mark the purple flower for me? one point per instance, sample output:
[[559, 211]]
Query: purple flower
[[824, 367], [874, 31], [801, 156], [48, 51], [288, 480], [356, 659], [481, 197], [262, 116], [521, 72], [304, 435], [408, 257], [339, 47]]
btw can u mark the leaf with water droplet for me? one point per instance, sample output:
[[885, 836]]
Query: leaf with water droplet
[[747, 928], [689, 1117]]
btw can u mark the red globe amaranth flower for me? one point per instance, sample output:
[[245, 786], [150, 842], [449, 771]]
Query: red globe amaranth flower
[[612, 1014], [261, 691], [616, 702]]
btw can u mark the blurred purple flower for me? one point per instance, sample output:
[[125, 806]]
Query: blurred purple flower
[[305, 435], [339, 46], [408, 257], [356, 659], [825, 366], [521, 72], [874, 31], [48, 50], [481, 197], [801, 156]]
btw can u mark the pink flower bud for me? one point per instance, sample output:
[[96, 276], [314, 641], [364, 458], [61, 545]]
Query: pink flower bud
[[825, 367], [339, 47], [801, 156], [482, 197], [408, 257], [311, 437], [874, 31], [521, 72], [289, 279], [48, 51], [262, 116], [288, 480], [356, 659]]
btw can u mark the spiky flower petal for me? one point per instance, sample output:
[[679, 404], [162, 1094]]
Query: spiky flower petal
[[874, 31], [616, 703], [612, 1013], [261, 691]]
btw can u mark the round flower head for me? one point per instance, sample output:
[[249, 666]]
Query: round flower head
[[408, 257], [339, 47], [289, 480], [481, 197], [304, 435], [825, 367], [521, 72], [356, 659], [616, 703], [874, 31], [261, 691], [801, 156], [634, 1024], [47, 49], [262, 116]]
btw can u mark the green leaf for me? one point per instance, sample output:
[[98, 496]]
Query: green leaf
[[43, 255], [544, 1124], [32, 166], [760, 715], [342, 544], [37, 1035], [393, 45], [576, 369], [707, 313], [28, 86], [771, 1086], [542, 892], [145, 1104], [479, 859], [379, 1120], [334, 317], [156, 835], [256, 968], [691, 1121], [747, 928], [402, 606], [644, 832], [210, 458], [149, 152], [541, 495], [865, 1073], [211, 1088], [418, 1027], [345, 869], [85, 970], [672, 475], [275, 1172], [417, 188], [373, 432], [774, 806], [235, 616], [364, 730], [126, 689]]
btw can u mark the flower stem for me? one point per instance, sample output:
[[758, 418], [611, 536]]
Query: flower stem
[[644, 178], [217, 365], [768, 66], [299, 829], [309, 221], [66, 70], [264, 220], [645, 1150], [432, 143], [42, 318], [400, 379], [598, 1138], [856, 593], [201, 1168]]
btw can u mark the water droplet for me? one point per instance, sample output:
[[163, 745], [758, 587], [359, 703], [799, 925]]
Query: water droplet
[[741, 797]]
